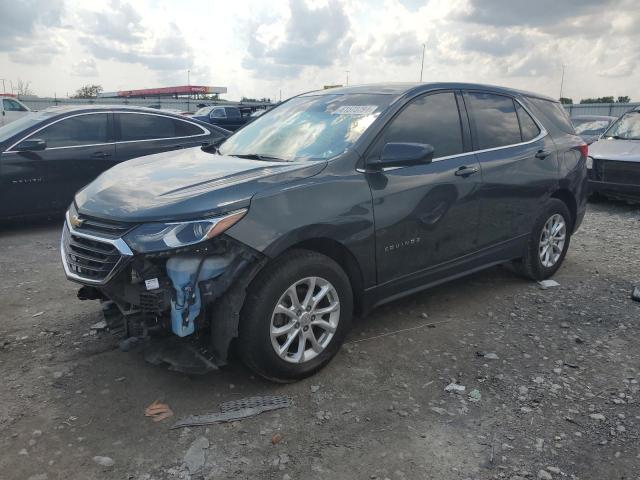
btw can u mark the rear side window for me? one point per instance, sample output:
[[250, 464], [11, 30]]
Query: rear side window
[[186, 129], [529, 128], [218, 113], [233, 113], [76, 131], [495, 120], [12, 106], [145, 127], [555, 113], [431, 119]]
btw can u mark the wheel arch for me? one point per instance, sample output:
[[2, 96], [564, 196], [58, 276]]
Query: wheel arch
[[570, 201], [343, 257]]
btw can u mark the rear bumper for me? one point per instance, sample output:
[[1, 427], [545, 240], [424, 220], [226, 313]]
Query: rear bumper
[[624, 190]]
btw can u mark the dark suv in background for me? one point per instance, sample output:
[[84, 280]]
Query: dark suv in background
[[330, 204]]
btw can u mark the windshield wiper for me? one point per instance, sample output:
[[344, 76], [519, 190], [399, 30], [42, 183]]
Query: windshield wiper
[[257, 156], [616, 137]]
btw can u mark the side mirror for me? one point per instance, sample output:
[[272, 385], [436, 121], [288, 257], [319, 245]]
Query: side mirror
[[404, 154], [31, 145]]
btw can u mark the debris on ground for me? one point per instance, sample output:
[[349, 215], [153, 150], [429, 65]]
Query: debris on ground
[[455, 388], [488, 356], [475, 395], [179, 354], [37, 314], [236, 410], [99, 326], [276, 438], [315, 388], [194, 458], [544, 284], [129, 344], [104, 461], [635, 295], [158, 411]]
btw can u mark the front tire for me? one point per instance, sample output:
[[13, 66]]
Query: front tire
[[548, 242], [295, 318]]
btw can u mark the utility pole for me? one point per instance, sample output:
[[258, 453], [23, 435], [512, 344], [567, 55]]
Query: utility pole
[[189, 77], [424, 45], [347, 72], [562, 80], [4, 89]]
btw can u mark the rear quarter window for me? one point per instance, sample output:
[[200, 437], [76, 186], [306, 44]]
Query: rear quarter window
[[495, 121], [555, 113]]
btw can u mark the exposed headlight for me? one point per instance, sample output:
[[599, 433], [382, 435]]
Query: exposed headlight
[[589, 162], [154, 237]]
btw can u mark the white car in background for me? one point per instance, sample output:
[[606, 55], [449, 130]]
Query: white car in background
[[11, 109]]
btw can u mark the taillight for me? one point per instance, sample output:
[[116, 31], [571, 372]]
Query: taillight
[[584, 150]]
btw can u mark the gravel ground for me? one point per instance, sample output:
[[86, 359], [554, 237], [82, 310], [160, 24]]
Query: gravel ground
[[551, 381]]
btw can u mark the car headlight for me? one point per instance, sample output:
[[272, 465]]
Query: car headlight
[[154, 237], [589, 162]]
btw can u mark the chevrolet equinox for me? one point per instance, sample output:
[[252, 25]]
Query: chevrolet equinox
[[328, 205]]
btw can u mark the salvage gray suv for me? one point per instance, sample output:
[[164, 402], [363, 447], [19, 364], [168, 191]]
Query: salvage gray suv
[[330, 204]]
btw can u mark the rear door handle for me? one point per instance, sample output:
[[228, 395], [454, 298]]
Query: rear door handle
[[542, 154], [465, 171], [100, 154]]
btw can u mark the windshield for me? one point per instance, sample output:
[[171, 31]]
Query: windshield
[[627, 127], [590, 127], [24, 122], [309, 127], [203, 111]]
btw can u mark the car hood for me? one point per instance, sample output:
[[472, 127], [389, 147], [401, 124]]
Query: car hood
[[611, 149], [184, 184]]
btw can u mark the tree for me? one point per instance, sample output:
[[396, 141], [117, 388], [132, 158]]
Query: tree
[[24, 88], [598, 100], [624, 99], [88, 91], [566, 101]]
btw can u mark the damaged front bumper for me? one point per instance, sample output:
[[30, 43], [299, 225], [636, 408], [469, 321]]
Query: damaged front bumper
[[185, 290]]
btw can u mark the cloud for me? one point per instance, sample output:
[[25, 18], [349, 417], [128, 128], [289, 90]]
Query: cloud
[[622, 69], [312, 37], [540, 13], [401, 46], [121, 22], [22, 20], [494, 44], [28, 30], [118, 33], [85, 68]]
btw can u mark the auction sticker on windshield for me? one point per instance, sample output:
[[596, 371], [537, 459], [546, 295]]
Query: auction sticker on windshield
[[355, 110]]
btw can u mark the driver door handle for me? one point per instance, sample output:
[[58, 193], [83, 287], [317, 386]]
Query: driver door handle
[[465, 171], [542, 154], [100, 154]]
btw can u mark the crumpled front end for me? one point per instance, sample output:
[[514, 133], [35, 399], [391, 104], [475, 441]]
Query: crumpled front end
[[175, 289]]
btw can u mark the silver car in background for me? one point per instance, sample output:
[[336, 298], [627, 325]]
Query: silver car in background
[[614, 160], [590, 127]]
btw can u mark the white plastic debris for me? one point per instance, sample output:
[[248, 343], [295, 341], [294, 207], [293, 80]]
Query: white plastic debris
[[455, 388], [544, 284], [635, 295]]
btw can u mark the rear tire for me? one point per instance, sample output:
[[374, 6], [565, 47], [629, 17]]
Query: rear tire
[[548, 242], [287, 333]]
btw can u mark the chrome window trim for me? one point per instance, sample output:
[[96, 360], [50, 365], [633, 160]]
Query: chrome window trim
[[204, 130], [9, 150], [543, 133]]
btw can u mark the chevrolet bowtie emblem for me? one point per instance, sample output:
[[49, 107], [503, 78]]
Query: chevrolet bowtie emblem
[[75, 221]]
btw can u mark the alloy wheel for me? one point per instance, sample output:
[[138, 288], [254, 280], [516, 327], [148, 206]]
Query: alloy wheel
[[305, 320], [552, 239]]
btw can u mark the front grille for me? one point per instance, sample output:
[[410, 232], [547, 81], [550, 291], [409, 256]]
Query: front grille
[[103, 227], [627, 173], [89, 259]]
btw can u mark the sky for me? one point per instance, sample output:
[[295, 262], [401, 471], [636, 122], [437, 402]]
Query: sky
[[271, 48]]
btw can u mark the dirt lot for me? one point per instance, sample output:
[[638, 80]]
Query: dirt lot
[[560, 400]]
